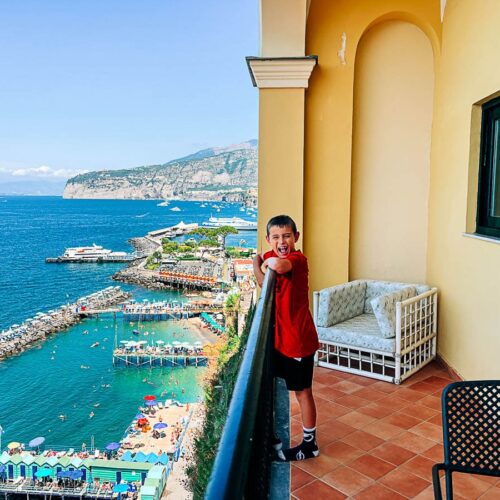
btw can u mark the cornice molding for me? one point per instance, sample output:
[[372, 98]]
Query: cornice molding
[[281, 72]]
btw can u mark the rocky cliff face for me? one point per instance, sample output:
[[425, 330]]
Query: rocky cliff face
[[226, 174]]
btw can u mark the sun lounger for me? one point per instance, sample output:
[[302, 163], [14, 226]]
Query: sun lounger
[[160, 405], [97, 453], [60, 454], [70, 452]]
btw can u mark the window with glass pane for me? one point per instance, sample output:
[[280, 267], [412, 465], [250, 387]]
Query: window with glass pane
[[488, 213]]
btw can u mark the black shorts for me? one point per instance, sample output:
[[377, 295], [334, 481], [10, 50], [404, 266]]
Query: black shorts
[[297, 374]]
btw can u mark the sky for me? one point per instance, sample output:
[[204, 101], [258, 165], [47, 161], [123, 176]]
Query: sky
[[106, 84]]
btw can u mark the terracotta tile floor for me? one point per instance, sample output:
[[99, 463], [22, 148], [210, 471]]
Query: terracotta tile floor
[[378, 440]]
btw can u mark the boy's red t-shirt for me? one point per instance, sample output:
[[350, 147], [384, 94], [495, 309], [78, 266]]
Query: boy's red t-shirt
[[295, 333]]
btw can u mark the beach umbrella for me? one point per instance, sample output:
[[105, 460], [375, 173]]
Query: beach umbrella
[[140, 415], [43, 472], [124, 341], [13, 445], [175, 342], [36, 441], [112, 446], [142, 421], [160, 425], [120, 488], [149, 397], [142, 342], [151, 403], [140, 457], [160, 341]]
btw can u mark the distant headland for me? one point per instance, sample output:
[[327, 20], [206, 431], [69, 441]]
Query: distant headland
[[224, 174]]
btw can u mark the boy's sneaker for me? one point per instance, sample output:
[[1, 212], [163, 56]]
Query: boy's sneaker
[[276, 443], [303, 451]]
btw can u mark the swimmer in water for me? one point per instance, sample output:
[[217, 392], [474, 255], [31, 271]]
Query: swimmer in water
[[91, 414]]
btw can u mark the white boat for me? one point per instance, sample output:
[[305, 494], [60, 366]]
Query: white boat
[[163, 204], [236, 222], [175, 209], [94, 253]]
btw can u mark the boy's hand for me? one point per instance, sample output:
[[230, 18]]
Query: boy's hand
[[257, 269]]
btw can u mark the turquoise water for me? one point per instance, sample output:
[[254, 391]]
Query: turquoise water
[[48, 380]]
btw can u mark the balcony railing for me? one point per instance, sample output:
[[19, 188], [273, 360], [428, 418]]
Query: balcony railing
[[243, 463]]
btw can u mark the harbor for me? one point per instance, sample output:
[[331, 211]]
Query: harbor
[[98, 400], [18, 338]]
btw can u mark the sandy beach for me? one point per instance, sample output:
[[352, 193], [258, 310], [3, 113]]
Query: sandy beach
[[175, 417], [175, 488]]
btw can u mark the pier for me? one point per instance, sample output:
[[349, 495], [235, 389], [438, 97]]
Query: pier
[[137, 359], [18, 338]]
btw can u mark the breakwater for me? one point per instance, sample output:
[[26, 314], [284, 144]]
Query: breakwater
[[18, 338]]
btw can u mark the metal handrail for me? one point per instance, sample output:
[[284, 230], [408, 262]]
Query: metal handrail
[[234, 461]]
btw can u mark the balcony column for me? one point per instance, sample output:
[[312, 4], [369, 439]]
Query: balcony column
[[281, 74]]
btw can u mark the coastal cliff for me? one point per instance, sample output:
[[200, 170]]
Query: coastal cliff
[[228, 174]]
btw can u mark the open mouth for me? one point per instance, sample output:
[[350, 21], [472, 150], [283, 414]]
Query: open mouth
[[283, 250]]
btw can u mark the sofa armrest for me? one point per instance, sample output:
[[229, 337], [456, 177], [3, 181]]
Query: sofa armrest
[[339, 303], [416, 321]]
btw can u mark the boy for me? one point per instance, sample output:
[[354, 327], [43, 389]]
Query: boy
[[295, 339]]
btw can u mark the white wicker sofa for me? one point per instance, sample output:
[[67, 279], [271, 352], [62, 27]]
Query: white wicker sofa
[[379, 329]]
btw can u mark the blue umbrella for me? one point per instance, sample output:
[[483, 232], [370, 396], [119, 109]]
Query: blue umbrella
[[127, 456], [159, 425], [120, 488], [36, 442], [140, 415], [43, 473], [113, 446], [151, 403], [140, 457], [64, 473], [152, 458]]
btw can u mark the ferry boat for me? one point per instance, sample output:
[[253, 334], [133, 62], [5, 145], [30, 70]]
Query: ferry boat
[[236, 222], [94, 253]]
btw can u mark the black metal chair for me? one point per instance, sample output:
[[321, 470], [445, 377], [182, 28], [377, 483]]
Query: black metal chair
[[471, 435]]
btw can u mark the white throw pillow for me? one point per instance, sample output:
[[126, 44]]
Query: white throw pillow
[[384, 308]]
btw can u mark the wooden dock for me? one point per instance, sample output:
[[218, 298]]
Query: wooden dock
[[158, 359]]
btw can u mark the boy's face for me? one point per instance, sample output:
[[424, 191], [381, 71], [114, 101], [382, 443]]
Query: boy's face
[[282, 240]]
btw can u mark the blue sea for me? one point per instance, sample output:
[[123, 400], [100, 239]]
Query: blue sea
[[63, 375]]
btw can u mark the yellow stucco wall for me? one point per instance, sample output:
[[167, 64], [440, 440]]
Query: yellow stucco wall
[[329, 121], [466, 270], [393, 96], [465, 50], [281, 154]]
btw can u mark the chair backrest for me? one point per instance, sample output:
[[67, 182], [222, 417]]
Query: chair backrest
[[471, 434]]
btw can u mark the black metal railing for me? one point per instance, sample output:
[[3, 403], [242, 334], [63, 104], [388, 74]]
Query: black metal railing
[[243, 462]]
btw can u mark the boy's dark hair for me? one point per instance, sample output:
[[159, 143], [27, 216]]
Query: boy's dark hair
[[281, 221]]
